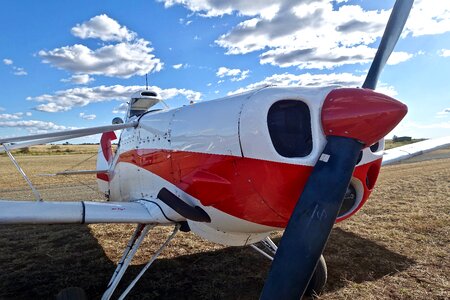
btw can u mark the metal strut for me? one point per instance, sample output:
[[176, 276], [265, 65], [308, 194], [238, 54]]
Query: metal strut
[[132, 246], [269, 248], [16, 164]]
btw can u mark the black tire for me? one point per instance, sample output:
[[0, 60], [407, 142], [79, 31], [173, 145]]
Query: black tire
[[71, 293], [318, 280]]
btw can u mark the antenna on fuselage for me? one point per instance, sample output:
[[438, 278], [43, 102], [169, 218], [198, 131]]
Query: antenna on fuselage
[[146, 82]]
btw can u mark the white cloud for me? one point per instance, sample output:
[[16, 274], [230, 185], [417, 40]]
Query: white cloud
[[104, 28], [65, 100], [15, 116], [432, 129], [399, 57], [79, 79], [314, 80], [119, 60], [28, 114], [34, 125], [19, 71], [235, 74], [87, 117], [178, 66], [308, 34], [428, 17], [443, 113], [122, 108], [127, 57], [212, 8], [444, 52]]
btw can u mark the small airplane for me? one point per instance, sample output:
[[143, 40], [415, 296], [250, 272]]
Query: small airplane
[[235, 169]]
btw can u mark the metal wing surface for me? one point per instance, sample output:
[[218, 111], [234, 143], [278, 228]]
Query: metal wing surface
[[399, 154]]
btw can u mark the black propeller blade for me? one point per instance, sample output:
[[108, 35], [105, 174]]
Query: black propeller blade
[[391, 34], [315, 213], [310, 224]]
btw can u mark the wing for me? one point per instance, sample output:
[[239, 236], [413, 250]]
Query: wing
[[38, 139], [404, 152], [41, 212], [80, 212]]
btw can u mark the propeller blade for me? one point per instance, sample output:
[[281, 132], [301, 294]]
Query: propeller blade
[[347, 118], [312, 220], [391, 34]]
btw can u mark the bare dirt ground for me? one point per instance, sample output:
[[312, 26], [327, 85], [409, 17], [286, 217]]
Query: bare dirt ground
[[397, 247]]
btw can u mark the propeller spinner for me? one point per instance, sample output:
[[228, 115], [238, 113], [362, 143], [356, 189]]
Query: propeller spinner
[[352, 119]]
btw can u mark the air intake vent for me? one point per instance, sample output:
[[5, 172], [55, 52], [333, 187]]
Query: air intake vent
[[149, 94]]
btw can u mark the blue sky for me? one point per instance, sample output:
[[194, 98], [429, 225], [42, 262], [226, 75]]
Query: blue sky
[[71, 64]]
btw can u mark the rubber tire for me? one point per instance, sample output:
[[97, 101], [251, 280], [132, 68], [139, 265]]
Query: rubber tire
[[318, 280], [71, 293]]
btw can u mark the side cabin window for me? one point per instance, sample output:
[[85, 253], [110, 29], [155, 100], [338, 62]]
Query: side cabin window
[[289, 124]]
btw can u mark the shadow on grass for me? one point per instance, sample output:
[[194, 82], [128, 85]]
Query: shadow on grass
[[353, 258], [37, 262]]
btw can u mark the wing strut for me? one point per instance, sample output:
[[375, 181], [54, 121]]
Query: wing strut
[[16, 164], [133, 245]]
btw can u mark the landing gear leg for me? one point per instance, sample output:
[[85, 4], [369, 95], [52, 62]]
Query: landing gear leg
[[266, 247], [134, 243], [317, 283]]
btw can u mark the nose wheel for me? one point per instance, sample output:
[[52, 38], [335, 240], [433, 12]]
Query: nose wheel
[[319, 279]]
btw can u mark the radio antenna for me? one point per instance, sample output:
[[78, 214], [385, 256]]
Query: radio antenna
[[146, 81]]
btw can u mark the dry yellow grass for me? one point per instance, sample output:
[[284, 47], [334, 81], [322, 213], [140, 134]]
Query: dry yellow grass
[[397, 247]]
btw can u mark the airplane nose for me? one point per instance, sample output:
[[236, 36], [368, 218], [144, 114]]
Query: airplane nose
[[361, 114]]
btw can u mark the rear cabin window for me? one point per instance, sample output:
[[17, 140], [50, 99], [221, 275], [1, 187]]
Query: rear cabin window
[[289, 123]]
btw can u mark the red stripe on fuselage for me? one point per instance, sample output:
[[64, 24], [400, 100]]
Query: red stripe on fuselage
[[259, 191]]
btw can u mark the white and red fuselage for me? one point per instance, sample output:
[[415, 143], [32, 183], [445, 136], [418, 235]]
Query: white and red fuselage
[[242, 159]]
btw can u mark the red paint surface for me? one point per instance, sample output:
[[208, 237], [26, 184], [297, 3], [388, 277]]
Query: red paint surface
[[105, 143], [361, 114], [258, 191], [103, 176]]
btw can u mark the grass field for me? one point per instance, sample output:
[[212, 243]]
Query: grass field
[[397, 247]]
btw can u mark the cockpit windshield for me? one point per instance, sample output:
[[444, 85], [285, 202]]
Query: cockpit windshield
[[141, 102], [140, 106]]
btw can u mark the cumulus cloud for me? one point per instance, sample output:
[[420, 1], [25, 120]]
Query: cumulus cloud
[[87, 117], [178, 66], [65, 100], [126, 57], [34, 125], [444, 52], [212, 8], [15, 116], [79, 79], [428, 17], [104, 28], [307, 34], [314, 80], [235, 74], [118, 60], [18, 71]]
